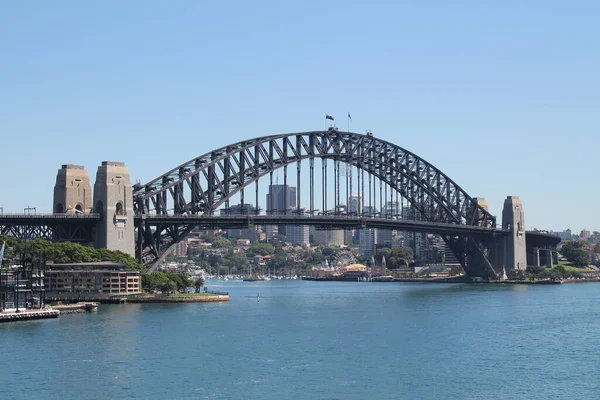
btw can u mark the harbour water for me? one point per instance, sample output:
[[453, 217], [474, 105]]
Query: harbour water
[[318, 340]]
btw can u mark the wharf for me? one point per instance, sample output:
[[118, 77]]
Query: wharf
[[76, 307], [141, 298], [24, 315]]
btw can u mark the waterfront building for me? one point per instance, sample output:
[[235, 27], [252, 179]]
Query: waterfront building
[[93, 277], [22, 286]]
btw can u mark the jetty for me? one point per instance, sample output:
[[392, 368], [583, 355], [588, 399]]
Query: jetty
[[25, 315]]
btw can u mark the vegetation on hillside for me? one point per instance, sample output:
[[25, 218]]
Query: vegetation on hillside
[[63, 252]]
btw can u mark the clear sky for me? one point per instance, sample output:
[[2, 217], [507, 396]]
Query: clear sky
[[502, 97]]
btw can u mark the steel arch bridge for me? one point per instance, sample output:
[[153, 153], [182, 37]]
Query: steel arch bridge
[[170, 206]]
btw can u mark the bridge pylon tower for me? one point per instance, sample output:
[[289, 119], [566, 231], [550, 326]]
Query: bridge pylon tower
[[72, 191], [513, 219], [113, 200]]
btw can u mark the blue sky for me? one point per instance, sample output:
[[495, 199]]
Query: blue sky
[[502, 97]]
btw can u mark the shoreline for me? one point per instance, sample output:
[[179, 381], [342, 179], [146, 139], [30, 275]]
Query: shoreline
[[454, 280], [116, 299]]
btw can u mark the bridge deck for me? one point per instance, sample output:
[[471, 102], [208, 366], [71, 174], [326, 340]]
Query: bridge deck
[[324, 221]]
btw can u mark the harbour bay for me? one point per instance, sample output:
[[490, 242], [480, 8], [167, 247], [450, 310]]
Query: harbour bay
[[318, 340]]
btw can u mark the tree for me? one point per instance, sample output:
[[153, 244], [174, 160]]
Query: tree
[[580, 258], [261, 249], [534, 271], [516, 275], [198, 284], [168, 287], [221, 243], [570, 249]]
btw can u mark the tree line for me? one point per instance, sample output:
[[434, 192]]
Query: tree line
[[63, 252]]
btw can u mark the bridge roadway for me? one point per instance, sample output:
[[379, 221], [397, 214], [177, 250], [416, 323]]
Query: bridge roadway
[[77, 227], [321, 221]]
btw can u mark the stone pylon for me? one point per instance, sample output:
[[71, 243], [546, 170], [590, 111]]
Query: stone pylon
[[113, 199], [513, 219], [72, 191]]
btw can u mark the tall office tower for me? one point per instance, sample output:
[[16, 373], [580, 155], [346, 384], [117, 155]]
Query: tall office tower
[[367, 240], [241, 209], [355, 204], [298, 235], [281, 200]]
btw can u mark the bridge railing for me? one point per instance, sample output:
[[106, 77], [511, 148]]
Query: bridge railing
[[57, 215], [50, 216]]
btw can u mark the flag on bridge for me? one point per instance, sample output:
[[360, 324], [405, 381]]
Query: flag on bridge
[[327, 116], [349, 117], [2, 252]]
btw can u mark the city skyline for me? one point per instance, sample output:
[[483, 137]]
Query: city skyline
[[502, 105]]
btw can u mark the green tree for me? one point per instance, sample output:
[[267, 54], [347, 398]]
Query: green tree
[[569, 249], [261, 249], [221, 243], [534, 271], [516, 274], [198, 284], [580, 258], [168, 287]]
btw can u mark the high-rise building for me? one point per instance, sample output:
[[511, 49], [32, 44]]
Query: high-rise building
[[367, 240], [281, 200], [355, 204], [328, 237], [241, 209], [298, 235]]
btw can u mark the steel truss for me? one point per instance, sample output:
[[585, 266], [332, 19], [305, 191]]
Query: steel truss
[[203, 184], [54, 227]]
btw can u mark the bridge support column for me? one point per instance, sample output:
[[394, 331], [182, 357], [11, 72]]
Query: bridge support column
[[72, 191], [113, 199], [482, 256], [513, 219], [549, 258]]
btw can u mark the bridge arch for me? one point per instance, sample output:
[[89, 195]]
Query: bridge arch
[[203, 184]]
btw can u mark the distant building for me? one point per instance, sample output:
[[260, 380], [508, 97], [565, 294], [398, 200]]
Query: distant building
[[332, 237], [181, 249], [367, 240], [242, 209], [281, 200], [298, 235]]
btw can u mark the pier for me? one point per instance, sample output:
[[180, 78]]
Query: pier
[[10, 316]]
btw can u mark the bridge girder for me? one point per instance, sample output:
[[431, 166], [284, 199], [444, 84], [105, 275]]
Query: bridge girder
[[203, 184]]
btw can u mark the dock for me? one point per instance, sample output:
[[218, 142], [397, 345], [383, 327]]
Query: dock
[[25, 315]]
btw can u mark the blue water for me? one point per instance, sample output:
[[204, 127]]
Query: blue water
[[318, 340]]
